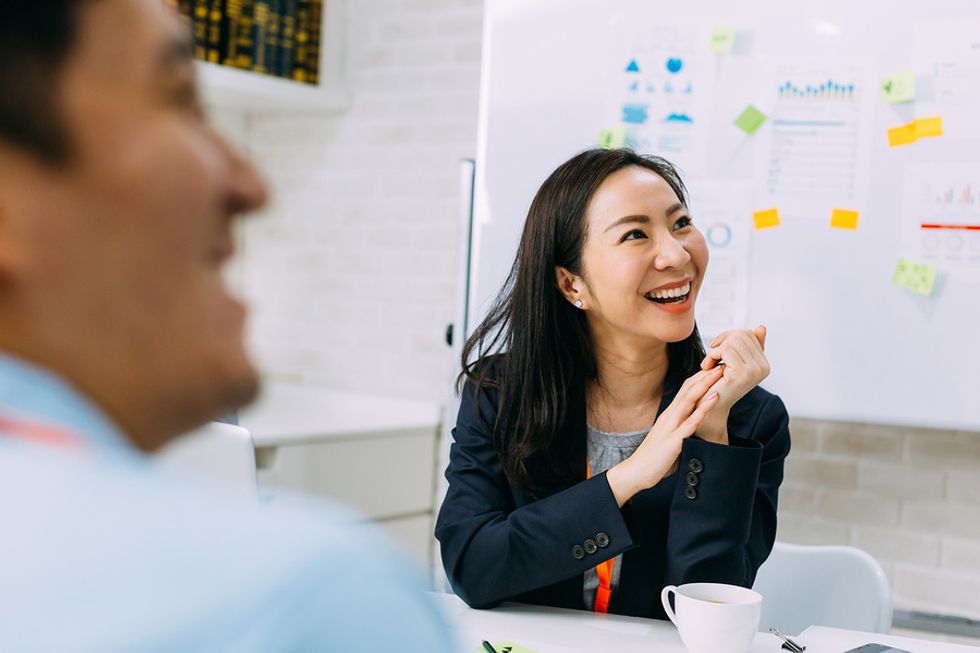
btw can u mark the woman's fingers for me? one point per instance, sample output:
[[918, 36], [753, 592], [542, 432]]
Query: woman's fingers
[[753, 356], [701, 384], [734, 340], [693, 389], [759, 332], [709, 361], [736, 352], [691, 424], [714, 355], [725, 352], [745, 361], [720, 338]]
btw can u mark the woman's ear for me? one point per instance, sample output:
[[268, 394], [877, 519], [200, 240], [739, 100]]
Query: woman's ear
[[571, 286]]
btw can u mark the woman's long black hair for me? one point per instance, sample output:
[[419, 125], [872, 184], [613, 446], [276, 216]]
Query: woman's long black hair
[[547, 353]]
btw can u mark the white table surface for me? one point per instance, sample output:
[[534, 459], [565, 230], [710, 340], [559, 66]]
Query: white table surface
[[819, 638], [292, 413], [554, 630]]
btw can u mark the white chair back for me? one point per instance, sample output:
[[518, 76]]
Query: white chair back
[[835, 586], [218, 452]]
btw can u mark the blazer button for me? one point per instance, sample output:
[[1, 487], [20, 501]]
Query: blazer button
[[578, 552], [590, 546], [695, 465], [693, 479], [690, 493], [602, 540]]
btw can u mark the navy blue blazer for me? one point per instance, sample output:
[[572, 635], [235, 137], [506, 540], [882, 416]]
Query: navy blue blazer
[[714, 520]]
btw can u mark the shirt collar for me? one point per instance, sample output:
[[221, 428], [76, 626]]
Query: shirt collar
[[32, 393]]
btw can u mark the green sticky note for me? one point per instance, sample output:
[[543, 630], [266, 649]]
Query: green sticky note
[[898, 88], [614, 138], [505, 647], [919, 278], [722, 40], [750, 120]]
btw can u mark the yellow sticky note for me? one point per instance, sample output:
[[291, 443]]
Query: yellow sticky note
[[766, 219], [722, 40], [902, 135], [611, 139], [919, 278], [926, 127], [844, 219], [898, 88]]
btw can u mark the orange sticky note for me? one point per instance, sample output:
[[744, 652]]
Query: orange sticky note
[[926, 127], [844, 219], [902, 135], [766, 219]]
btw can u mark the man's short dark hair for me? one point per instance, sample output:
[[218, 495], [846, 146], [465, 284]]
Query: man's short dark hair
[[35, 39]]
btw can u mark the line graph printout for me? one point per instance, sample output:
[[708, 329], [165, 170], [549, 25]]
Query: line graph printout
[[818, 150], [941, 218]]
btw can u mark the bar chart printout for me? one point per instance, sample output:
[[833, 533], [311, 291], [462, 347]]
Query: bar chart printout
[[818, 151], [941, 221]]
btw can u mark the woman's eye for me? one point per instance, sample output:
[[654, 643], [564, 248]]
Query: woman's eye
[[682, 223], [635, 234]]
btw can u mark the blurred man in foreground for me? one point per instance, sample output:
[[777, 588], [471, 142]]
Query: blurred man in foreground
[[116, 334]]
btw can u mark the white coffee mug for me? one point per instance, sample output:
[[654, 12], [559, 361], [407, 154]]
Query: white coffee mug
[[714, 617]]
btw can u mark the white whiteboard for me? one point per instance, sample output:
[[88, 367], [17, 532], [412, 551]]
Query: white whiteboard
[[844, 342]]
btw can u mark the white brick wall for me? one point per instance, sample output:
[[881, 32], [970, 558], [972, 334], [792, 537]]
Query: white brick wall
[[351, 276], [910, 497]]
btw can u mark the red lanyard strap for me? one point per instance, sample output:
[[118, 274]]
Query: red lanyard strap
[[36, 433]]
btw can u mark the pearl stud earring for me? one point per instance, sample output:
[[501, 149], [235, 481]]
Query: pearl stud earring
[[578, 303]]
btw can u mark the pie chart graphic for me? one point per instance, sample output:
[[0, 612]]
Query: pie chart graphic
[[674, 65], [719, 234]]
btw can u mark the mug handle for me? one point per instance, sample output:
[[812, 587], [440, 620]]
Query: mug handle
[[664, 598]]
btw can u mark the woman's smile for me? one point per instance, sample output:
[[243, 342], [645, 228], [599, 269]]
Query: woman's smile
[[676, 297]]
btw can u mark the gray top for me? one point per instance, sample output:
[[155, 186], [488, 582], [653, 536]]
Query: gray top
[[605, 451]]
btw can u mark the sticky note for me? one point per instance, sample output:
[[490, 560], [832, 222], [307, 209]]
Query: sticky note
[[505, 647], [919, 278], [611, 139], [926, 127], [722, 40], [844, 219], [902, 135], [766, 219], [898, 88], [750, 120]]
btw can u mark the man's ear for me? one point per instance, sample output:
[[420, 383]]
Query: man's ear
[[8, 246], [571, 286], [12, 254]]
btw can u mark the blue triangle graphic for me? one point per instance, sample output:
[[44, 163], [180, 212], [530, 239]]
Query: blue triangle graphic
[[632, 68]]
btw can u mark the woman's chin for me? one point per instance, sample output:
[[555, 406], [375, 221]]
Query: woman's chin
[[677, 332]]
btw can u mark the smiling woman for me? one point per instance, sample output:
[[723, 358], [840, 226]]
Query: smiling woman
[[560, 492]]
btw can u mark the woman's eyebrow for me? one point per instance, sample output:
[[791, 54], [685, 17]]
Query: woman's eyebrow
[[640, 219]]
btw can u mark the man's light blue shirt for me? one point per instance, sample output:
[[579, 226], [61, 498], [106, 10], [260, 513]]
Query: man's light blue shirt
[[101, 551]]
